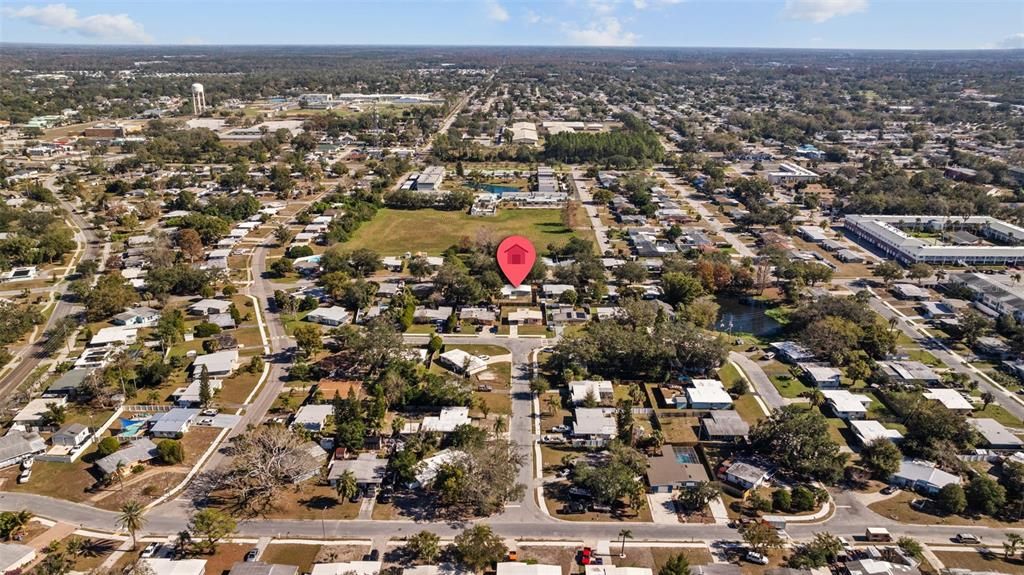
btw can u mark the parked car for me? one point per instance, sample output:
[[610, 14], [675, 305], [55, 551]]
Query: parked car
[[251, 555], [572, 508], [150, 550], [967, 538], [207, 421], [586, 556], [919, 504], [26, 474], [374, 555], [755, 557], [560, 429], [553, 439], [890, 490], [485, 357], [27, 463], [209, 412]]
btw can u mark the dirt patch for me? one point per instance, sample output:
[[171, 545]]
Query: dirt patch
[[341, 553], [291, 554]]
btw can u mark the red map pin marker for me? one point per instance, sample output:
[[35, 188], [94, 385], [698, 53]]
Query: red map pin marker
[[515, 258]]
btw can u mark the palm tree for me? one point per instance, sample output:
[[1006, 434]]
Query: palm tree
[[397, 423], [132, 519], [19, 521], [623, 535], [346, 486], [554, 404], [500, 425]]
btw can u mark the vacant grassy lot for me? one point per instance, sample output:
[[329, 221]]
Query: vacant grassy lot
[[398, 231], [291, 554], [898, 508], [970, 559]]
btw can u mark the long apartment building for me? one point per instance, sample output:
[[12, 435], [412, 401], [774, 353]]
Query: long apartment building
[[887, 235]]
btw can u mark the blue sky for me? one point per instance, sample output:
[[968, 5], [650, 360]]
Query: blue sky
[[870, 24]]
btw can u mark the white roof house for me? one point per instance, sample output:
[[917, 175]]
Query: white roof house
[[518, 568], [447, 421], [426, 470], [847, 405], [458, 360], [347, 568], [613, 570], [312, 417], [594, 422], [33, 412], [218, 364], [869, 430], [923, 476], [995, 434], [173, 423], [525, 316], [114, 335], [951, 399], [708, 397], [208, 306], [14, 556], [334, 315], [600, 389], [176, 567], [823, 376]]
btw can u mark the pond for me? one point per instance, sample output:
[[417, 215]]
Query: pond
[[736, 316]]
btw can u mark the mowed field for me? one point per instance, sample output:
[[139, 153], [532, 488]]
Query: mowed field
[[393, 232]]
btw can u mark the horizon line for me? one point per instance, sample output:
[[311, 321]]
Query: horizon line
[[517, 46]]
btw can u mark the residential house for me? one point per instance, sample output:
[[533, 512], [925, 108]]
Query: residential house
[[869, 430], [430, 315], [510, 292], [71, 435], [114, 336], [519, 568], [140, 451], [995, 435], [792, 351], [332, 316], [951, 399], [677, 467], [525, 317], [219, 364], [724, 425], [35, 411], [222, 320], [594, 425], [209, 306], [846, 405], [922, 476], [996, 347], [478, 315], [162, 566], [347, 568], [313, 417], [138, 317], [173, 424], [427, 469], [68, 383], [261, 568], [17, 446], [934, 310], [367, 468], [447, 420], [706, 394], [871, 566], [601, 390], [909, 292], [910, 373], [745, 475], [460, 361], [190, 396], [15, 556], [555, 291], [821, 376]]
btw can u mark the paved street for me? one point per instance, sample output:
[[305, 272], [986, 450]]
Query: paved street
[[716, 226], [763, 386]]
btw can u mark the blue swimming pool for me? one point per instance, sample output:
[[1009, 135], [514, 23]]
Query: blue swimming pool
[[685, 455]]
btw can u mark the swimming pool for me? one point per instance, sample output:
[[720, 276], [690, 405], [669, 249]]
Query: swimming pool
[[685, 455], [496, 189]]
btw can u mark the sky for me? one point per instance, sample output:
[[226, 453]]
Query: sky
[[847, 24]]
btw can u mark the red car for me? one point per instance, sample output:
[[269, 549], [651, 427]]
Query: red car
[[585, 556]]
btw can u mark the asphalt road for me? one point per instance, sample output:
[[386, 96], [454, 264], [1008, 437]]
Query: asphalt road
[[32, 355], [759, 379]]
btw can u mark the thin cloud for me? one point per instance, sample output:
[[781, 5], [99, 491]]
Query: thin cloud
[[604, 32], [108, 27], [819, 11], [645, 4], [1013, 42], [497, 12]]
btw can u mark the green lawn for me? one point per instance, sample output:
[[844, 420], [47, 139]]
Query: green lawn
[[433, 231]]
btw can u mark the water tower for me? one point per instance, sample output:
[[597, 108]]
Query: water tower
[[198, 99]]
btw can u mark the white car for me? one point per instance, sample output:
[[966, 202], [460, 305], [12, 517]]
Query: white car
[[150, 550], [27, 463], [755, 557], [25, 476], [485, 357], [560, 429]]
